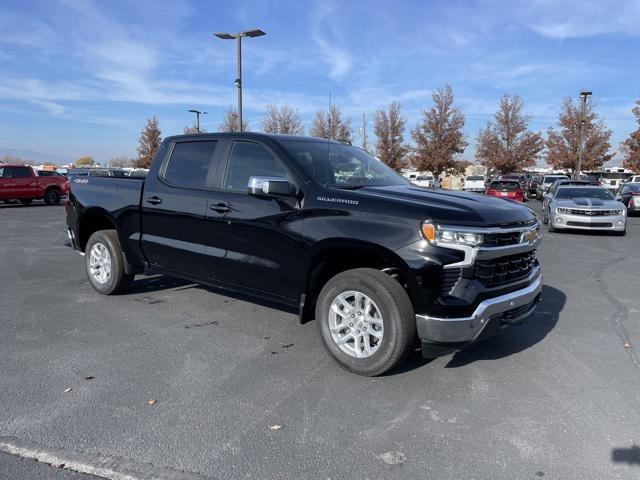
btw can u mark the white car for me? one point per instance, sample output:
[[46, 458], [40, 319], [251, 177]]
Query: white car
[[474, 183], [423, 181]]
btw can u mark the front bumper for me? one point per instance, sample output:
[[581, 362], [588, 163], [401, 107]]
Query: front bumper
[[615, 223], [441, 335]]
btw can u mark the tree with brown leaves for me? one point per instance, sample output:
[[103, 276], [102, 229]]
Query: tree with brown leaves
[[150, 140], [193, 129], [389, 129], [282, 120], [507, 145], [230, 122], [330, 125], [563, 146], [631, 146], [439, 136], [86, 161]]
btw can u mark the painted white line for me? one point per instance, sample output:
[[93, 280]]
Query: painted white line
[[105, 466]]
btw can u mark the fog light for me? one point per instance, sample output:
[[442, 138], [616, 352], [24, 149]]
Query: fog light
[[620, 222], [558, 220]]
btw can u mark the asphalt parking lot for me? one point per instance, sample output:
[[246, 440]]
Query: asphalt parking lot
[[558, 397]]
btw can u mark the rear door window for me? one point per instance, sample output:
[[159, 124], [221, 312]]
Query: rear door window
[[21, 172], [189, 164]]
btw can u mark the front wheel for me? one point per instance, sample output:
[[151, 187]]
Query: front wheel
[[52, 197], [105, 263], [366, 321]]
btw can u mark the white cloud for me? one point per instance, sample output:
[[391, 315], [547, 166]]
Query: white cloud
[[327, 36]]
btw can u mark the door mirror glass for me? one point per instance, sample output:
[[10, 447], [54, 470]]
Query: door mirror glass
[[269, 186]]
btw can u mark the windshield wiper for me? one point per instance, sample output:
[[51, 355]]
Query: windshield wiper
[[347, 187]]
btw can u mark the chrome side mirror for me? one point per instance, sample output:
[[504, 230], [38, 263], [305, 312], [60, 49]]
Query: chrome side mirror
[[269, 186]]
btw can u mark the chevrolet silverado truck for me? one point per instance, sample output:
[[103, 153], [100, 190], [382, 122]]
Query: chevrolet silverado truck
[[320, 227], [23, 183]]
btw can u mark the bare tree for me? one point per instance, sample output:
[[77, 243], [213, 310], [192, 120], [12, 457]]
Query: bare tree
[[330, 125], [282, 120], [439, 136], [120, 162], [389, 129], [631, 146], [13, 159], [230, 122], [563, 146], [507, 144], [150, 140]]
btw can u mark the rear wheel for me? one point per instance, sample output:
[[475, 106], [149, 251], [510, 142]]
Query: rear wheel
[[366, 321], [105, 263], [52, 197]]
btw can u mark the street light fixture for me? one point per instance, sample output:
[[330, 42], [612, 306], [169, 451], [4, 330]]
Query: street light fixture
[[238, 37], [583, 96], [198, 113]]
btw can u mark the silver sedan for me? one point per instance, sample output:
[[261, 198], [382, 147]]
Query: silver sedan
[[584, 207]]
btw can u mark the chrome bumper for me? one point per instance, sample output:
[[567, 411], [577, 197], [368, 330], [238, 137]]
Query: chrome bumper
[[468, 329], [584, 222]]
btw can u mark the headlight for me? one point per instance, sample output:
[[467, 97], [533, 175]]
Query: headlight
[[438, 235], [618, 212], [562, 211]]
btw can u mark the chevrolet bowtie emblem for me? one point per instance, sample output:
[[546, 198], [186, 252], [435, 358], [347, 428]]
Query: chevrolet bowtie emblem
[[528, 236]]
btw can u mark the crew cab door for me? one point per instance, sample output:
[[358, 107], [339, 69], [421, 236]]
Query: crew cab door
[[174, 207], [255, 242], [18, 182]]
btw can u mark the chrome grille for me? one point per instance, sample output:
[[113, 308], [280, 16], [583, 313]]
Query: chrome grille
[[590, 213]]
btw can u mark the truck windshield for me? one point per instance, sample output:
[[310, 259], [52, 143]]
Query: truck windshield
[[341, 166]]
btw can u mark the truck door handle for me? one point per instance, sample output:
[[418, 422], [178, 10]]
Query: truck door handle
[[221, 208], [154, 200]]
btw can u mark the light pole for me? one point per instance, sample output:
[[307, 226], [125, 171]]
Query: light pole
[[198, 113], [238, 37], [583, 96]]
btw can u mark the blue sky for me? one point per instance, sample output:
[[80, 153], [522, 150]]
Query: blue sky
[[81, 77]]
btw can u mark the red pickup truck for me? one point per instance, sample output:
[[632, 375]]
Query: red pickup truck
[[23, 183]]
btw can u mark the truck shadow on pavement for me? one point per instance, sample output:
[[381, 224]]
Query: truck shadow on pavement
[[630, 456], [519, 337]]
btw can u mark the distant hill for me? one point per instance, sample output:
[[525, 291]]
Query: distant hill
[[35, 156]]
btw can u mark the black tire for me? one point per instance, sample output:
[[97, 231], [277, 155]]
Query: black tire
[[545, 219], [118, 280], [550, 227], [26, 201], [398, 319], [52, 197]]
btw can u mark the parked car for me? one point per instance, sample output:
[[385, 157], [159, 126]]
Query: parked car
[[23, 183], [322, 227], [633, 179], [474, 183], [584, 207], [559, 183], [531, 185], [507, 189], [424, 181], [545, 184], [629, 194]]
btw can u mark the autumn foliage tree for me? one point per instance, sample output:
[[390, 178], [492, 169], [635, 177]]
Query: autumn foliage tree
[[439, 136], [631, 146], [85, 161], [563, 145], [231, 123], [507, 144], [330, 125], [389, 129], [193, 129], [282, 120], [150, 140]]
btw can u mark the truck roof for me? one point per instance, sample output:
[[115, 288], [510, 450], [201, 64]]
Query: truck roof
[[13, 165], [254, 135]]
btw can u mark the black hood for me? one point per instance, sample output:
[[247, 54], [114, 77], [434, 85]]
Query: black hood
[[454, 207]]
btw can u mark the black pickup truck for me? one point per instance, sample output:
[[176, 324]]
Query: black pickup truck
[[321, 227]]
